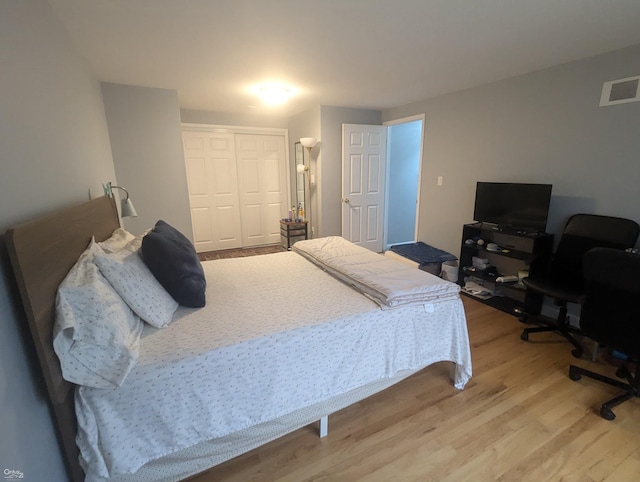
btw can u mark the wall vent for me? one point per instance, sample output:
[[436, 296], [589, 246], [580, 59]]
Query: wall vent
[[620, 91]]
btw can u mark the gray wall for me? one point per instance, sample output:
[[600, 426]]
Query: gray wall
[[330, 162], [146, 141], [541, 127], [229, 119], [54, 149]]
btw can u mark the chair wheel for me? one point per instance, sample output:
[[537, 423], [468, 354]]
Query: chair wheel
[[524, 336], [523, 318], [574, 376], [577, 353], [606, 413]]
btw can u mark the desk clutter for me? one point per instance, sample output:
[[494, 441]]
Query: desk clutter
[[492, 247], [497, 259], [487, 281], [295, 215], [478, 288]]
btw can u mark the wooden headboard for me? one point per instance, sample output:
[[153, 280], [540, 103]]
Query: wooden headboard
[[42, 252]]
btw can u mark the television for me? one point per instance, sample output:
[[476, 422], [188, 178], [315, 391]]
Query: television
[[515, 206]]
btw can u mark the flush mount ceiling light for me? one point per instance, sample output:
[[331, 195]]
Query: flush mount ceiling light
[[274, 94]]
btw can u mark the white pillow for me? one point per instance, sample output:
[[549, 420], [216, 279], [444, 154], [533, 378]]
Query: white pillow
[[137, 286], [118, 240], [96, 335]]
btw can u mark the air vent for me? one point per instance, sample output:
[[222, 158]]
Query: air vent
[[620, 91]]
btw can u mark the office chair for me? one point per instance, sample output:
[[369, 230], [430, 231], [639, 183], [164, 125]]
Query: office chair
[[562, 278], [611, 316]]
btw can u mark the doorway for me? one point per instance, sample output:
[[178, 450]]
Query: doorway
[[381, 168], [404, 146]]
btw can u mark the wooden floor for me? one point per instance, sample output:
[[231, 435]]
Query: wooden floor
[[520, 418], [241, 252]]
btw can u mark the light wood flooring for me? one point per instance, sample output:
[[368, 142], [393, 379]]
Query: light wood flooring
[[520, 418]]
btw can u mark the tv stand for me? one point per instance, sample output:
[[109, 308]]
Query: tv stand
[[509, 229], [517, 249]]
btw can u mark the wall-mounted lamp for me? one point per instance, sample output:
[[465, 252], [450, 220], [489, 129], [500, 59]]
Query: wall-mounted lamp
[[127, 210]]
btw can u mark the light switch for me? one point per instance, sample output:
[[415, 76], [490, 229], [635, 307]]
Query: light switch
[[439, 180]]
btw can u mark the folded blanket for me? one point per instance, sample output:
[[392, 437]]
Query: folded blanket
[[388, 282]]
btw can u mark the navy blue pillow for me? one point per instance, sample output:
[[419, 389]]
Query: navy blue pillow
[[172, 259]]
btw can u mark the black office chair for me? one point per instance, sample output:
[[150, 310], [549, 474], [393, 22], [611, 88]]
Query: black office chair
[[562, 279], [611, 316]]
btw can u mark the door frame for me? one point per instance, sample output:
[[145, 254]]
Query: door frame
[[404, 120], [275, 131]]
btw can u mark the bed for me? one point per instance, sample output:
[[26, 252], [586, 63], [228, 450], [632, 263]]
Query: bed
[[266, 356]]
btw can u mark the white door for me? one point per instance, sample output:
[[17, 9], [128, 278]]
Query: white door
[[364, 161], [213, 194], [262, 187]]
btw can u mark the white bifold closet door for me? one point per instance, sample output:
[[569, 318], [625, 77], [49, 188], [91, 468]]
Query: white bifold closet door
[[262, 187], [237, 188]]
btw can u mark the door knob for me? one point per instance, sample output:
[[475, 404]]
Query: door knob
[[345, 200]]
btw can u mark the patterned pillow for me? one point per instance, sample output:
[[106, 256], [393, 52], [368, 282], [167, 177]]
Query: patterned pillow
[[118, 240], [133, 281], [96, 335]]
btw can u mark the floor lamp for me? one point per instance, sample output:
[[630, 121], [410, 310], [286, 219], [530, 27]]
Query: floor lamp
[[308, 143]]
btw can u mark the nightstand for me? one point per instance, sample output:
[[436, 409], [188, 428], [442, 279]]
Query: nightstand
[[292, 231]]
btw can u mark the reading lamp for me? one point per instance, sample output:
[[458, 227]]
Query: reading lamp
[[127, 210]]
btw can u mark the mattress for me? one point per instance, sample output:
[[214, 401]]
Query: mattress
[[267, 345]]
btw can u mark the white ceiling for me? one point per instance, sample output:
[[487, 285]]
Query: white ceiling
[[372, 54]]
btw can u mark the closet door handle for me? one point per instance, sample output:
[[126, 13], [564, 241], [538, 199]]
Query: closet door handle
[[345, 200]]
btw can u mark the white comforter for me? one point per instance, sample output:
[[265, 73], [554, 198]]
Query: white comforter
[[268, 343], [389, 282]]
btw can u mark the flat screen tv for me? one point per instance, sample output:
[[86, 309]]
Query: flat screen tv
[[513, 205]]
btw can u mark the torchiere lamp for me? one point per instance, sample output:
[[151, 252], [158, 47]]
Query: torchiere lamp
[[308, 143]]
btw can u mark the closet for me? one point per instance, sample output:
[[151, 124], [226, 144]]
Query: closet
[[238, 189]]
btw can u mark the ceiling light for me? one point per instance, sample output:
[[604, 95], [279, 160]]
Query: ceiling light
[[274, 94]]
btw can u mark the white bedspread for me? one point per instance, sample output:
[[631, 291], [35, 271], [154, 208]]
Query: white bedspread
[[268, 343], [387, 281]]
